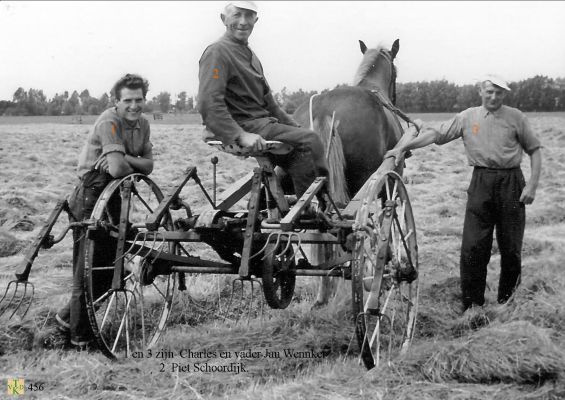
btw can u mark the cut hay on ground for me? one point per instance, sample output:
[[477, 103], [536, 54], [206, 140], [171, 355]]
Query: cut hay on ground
[[516, 352], [509, 352]]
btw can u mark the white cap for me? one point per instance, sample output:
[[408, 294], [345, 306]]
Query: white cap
[[495, 80], [248, 5]]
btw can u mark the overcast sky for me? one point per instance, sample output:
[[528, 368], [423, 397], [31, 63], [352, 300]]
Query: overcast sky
[[58, 46]]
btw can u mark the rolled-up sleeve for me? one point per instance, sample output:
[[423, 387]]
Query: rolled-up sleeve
[[110, 136], [450, 130], [528, 140], [213, 76]]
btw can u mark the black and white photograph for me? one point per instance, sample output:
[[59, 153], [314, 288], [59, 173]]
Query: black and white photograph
[[282, 200]]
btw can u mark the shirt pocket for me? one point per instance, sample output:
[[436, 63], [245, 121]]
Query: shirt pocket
[[505, 135]]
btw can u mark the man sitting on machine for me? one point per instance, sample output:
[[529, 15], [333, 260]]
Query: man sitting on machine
[[238, 107]]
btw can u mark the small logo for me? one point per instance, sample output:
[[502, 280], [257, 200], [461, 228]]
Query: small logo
[[216, 72], [16, 386], [475, 129]]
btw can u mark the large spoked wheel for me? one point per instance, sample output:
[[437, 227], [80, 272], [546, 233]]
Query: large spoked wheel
[[385, 272], [278, 275], [127, 313]]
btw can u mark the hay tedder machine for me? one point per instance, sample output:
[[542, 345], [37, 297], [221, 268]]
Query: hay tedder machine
[[137, 254]]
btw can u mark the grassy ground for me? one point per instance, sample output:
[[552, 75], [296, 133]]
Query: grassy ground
[[195, 119], [87, 120], [514, 351]]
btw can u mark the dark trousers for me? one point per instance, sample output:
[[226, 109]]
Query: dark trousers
[[81, 205], [305, 162], [493, 201]]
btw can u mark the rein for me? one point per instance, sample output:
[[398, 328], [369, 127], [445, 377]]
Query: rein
[[385, 102]]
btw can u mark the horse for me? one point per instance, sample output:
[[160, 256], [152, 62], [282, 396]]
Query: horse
[[358, 126]]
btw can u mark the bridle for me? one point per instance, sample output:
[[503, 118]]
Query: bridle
[[391, 104]]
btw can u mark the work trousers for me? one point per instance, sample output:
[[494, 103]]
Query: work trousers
[[493, 201], [81, 205], [306, 160]]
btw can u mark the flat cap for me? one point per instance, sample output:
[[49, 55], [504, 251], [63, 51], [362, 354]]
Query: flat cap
[[248, 5], [495, 80]]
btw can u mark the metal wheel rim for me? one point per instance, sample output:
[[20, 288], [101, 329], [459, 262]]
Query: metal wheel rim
[[398, 299], [132, 320]]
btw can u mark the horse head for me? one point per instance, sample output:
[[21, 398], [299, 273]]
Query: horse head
[[377, 70]]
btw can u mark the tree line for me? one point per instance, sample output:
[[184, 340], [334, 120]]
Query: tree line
[[539, 93], [34, 102]]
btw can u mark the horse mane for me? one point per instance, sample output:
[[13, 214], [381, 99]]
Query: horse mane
[[369, 59]]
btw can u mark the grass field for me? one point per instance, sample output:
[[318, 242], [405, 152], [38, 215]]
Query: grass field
[[195, 119], [513, 351], [87, 120]]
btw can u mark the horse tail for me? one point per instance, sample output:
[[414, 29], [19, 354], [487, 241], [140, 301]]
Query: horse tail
[[310, 110], [327, 128]]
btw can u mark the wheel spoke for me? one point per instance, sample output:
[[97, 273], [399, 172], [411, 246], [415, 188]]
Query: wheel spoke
[[394, 189], [163, 296], [106, 312], [143, 201], [124, 320]]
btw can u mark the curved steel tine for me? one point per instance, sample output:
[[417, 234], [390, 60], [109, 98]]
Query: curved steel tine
[[240, 299], [260, 297], [264, 246], [154, 242], [228, 307], [361, 316], [30, 298], [274, 247], [16, 308], [250, 302], [6, 307], [262, 303], [16, 300], [299, 245], [133, 315], [6, 291], [163, 242], [281, 253], [133, 243], [289, 245], [142, 244], [125, 253]]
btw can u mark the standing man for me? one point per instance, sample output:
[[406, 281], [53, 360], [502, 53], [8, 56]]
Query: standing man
[[494, 136], [118, 145], [237, 105]]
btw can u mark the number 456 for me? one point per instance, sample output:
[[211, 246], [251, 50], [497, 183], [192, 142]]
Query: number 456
[[34, 387]]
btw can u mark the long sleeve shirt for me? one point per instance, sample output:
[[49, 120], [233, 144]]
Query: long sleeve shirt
[[233, 90]]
